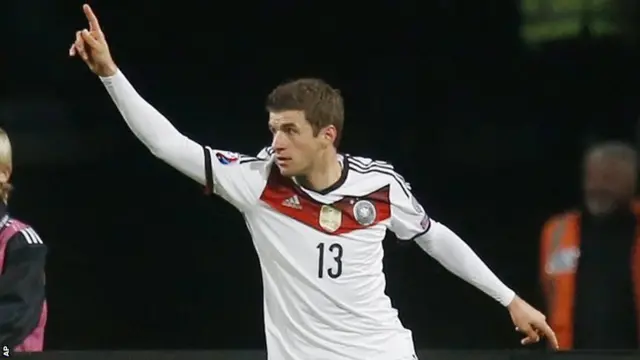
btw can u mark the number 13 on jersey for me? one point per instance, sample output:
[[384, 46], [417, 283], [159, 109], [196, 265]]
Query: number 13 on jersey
[[329, 260]]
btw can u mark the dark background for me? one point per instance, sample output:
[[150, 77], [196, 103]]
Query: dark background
[[489, 132]]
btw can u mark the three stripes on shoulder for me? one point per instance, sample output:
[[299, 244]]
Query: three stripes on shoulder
[[31, 237], [365, 165]]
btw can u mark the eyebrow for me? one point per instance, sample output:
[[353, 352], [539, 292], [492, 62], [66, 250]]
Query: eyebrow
[[284, 124]]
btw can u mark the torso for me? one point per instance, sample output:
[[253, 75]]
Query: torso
[[321, 260]]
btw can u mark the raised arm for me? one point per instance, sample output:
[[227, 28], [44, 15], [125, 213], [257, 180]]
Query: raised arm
[[237, 178], [151, 127], [154, 130]]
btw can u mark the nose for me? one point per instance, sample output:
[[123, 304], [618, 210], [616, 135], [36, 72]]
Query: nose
[[279, 141]]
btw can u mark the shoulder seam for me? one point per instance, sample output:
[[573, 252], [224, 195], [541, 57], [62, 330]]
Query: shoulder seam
[[249, 159], [361, 163], [376, 164], [386, 170], [242, 158]]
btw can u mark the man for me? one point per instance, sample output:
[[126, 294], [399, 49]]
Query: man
[[23, 310], [590, 260], [317, 219]]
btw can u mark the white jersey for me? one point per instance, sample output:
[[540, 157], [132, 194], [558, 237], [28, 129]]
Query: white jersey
[[321, 254]]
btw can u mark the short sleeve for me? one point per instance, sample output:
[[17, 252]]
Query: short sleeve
[[408, 218], [237, 178]]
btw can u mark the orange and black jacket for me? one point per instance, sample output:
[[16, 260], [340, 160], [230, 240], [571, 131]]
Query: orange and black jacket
[[559, 255]]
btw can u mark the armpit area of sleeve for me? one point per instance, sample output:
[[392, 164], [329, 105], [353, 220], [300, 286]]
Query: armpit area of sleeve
[[421, 233]]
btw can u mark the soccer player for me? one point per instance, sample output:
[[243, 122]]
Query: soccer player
[[317, 219]]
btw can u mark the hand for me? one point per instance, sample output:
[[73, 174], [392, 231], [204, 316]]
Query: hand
[[92, 47], [530, 322]]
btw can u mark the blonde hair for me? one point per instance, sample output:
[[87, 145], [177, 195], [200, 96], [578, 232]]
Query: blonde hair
[[6, 164]]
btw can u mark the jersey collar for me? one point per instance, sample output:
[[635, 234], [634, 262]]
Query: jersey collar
[[337, 184]]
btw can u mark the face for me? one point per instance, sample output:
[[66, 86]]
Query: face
[[296, 148], [609, 183]]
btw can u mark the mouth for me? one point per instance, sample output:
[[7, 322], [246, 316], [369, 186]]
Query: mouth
[[282, 160]]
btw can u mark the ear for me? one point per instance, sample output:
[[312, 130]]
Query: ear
[[329, 134]]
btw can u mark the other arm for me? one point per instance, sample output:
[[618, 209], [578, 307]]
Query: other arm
[[450, 251], [22, 287], [409, 221], [456, 256]]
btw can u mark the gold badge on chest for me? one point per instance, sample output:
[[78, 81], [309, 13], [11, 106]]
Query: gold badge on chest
[[330, 218]]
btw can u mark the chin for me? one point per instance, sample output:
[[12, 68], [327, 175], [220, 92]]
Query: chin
[[287, 172]]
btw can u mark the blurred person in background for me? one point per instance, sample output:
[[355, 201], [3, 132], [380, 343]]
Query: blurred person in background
[[23, 310], [590, 260]]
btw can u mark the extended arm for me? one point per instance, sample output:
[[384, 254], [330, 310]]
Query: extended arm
[[456, 256], [448, 249]]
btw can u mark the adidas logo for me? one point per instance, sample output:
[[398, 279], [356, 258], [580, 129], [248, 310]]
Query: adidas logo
[[293, 202]]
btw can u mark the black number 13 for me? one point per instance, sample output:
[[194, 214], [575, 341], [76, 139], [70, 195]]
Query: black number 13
[[335, 250]]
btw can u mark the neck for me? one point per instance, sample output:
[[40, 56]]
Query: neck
[[325, 172]]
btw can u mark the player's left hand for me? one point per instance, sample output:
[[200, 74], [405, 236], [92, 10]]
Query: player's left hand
[[531, 322], [91, 46]]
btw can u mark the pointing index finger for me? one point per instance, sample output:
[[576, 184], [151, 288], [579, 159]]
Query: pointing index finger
[[91, 18]]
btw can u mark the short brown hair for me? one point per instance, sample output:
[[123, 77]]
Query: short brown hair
[[322, 104]]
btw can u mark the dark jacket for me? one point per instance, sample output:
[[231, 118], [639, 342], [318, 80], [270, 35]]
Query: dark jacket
[[22, 285]]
